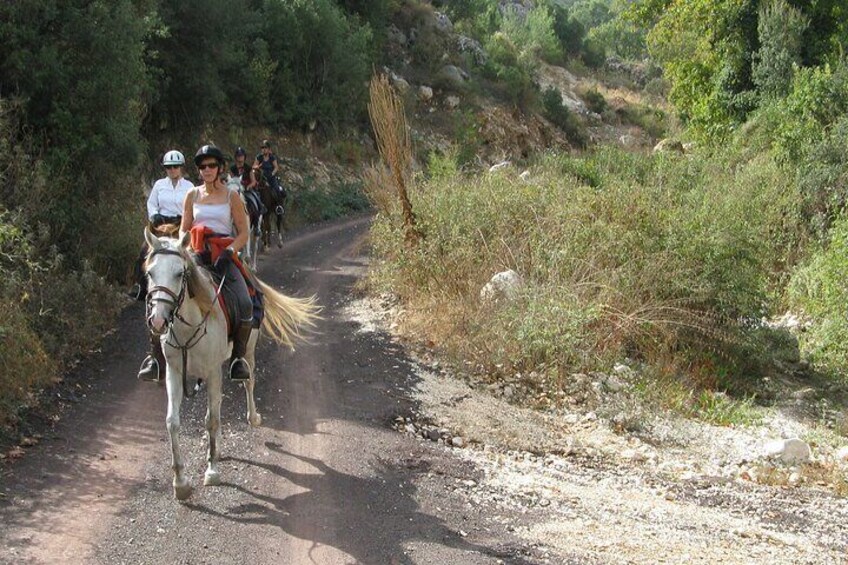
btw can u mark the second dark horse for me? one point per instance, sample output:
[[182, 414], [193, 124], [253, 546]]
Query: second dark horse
[[274, 202]]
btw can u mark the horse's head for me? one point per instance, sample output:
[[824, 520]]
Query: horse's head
[[166, 272]]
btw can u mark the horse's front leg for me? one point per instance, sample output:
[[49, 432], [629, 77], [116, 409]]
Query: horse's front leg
[[173, 381], [253, 417], [213, 429], [279, 230]]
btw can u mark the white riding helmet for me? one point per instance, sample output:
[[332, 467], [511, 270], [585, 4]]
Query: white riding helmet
[[173, 157]]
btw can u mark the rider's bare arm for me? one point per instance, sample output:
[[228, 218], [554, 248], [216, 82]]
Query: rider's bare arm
[[188, 212], [240, 220]]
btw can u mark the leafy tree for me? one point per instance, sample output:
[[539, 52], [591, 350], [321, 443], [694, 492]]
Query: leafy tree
[[568, 30], [78, 65], [781, 28], [202, 60]]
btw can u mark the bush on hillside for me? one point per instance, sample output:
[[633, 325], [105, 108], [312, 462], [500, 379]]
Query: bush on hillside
[[818, 289], [565, 119], [533, 34], [781, 28], [595, 101], [659, 257], [594, 53], [506, 66]]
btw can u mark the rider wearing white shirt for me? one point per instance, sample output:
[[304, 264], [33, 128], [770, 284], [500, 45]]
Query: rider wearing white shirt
[[164, 206], [165, 203]]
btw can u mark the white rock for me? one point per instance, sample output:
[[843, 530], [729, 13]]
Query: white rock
[[804, 393], [623, 370], [505, 284], [628, 140], [633, 455], [842, 455], [613, 384], [499, 166], [669, 146], [525, 176], [795, 479], [789, 451], [443, 22], [458, 442], [400, 83], [452, 101], [425, 93]]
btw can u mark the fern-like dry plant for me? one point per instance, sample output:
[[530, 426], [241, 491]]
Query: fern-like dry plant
[[385, 109]]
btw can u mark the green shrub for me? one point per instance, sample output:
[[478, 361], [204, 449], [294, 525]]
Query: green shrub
[[780, 28], [652, 120], [818, 288], [320, 204], [594, 53], [595, 101], [557, 113], [651, 257], [534, 34], [506, 66]]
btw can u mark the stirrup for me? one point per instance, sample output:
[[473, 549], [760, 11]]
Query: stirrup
[[137, 292], [150, 370], [279, 210], [239, 375]]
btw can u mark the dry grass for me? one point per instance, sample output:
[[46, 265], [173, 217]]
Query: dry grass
[[379, 189], [826, 475], [388, 119]]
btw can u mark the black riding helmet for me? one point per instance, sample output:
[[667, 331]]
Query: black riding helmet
[[209, 151], [240, 151]]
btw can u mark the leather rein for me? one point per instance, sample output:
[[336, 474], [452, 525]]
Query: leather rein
[[176, 300]]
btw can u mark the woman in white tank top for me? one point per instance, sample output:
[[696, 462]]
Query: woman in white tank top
[[214, 206]]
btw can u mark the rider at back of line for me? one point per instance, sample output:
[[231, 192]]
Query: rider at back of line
[[267, 161]]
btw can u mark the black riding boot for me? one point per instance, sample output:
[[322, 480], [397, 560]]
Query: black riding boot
[[153, 366], [239, 368]]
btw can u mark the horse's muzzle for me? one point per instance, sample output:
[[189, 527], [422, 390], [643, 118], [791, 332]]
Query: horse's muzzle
[[157, 324]]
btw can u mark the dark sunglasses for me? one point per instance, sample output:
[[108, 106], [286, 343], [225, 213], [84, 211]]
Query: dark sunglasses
[[205, 166], [172, 166]]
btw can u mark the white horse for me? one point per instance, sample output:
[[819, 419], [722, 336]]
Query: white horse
[[183, 309]]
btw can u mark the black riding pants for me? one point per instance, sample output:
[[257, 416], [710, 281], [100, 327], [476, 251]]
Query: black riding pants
[[234, 282]]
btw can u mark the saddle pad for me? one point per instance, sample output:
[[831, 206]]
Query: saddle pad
[[228, 301]]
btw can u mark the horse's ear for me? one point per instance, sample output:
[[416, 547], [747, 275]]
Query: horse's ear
[[185, 239], [151, 239]]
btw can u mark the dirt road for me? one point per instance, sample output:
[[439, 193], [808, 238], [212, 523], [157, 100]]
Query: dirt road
[[325, 479]]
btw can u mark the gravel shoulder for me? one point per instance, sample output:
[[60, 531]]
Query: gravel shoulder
[[600, 495]]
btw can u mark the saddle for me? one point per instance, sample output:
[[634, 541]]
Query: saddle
[[254, 204], [207, 245], [228, 301]]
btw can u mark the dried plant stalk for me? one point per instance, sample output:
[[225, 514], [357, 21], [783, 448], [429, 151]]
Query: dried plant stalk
[[385, 109], [379, 188]]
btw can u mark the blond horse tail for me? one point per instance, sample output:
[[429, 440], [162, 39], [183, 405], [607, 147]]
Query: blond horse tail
[[286, 316]]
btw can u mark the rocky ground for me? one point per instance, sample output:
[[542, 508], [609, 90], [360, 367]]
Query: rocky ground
[[687, 492]]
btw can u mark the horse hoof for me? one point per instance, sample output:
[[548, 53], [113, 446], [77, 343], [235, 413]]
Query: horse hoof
[[211, 479], [255, 420], [182, 492]]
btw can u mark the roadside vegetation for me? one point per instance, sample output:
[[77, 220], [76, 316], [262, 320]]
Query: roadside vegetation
[[670, 262]]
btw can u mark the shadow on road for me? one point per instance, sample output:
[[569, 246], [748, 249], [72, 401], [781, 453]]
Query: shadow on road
[[377, 518]]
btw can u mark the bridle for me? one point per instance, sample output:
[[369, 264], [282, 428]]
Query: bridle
[[176, 300], [173, 299]]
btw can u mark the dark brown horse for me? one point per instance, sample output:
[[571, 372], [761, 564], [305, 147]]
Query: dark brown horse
[[274, 201]]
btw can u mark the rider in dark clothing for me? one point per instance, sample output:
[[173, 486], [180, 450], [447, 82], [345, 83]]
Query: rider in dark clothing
[[240, 169], [268, 163]]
